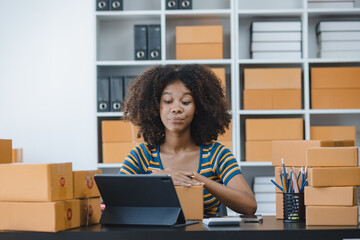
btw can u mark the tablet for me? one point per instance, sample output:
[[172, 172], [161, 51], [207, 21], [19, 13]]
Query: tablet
[[140, 199]]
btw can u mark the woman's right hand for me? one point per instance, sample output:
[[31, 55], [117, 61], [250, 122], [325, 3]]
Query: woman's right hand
[[179, 177]]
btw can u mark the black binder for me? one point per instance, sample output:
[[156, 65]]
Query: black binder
[[154, 42], [127, 81], [116, 93], [102, 5], [172, 4], [140, 200], [103, 94], [116, 5], [185, 4], [140, 44]]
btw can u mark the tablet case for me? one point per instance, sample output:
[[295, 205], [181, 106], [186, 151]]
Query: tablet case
[[139, 200]]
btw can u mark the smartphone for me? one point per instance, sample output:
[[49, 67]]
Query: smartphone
[[257, 218]]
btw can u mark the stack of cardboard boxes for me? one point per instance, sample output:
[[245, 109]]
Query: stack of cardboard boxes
[[335, 87], [331, 197], [5, 151], [272, 88], [259, 133], [118, 139], [40, 197]]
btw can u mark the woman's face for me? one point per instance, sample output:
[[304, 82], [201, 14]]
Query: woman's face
[[177, 107]]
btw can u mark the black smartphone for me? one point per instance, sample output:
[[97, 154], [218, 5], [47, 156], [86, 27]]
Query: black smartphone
[[257, 218]]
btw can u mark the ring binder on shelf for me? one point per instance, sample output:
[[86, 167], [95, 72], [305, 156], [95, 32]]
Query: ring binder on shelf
[[102, 5], [154, 42], [185, 4], [140, 44], [127, 81], [116, 93], [172, 4], [103, 93], [116, 5]]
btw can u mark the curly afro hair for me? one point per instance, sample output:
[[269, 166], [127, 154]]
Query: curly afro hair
[[142, 103]]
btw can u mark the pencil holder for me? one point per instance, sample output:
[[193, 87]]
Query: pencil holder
[[294, 208]]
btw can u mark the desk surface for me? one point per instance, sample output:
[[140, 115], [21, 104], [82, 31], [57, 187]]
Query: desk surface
[[269, 229]]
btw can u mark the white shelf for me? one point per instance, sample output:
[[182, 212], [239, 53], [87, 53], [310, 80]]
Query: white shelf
[[334, 111], [120, 14], [337, 60], [197, 13], [206, 61], [333, 11], [129, 63], [258, 61], [271, 112], [255, 164], [271, 12], [109, 114]]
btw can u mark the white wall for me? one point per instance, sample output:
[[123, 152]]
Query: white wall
[[47, 80]]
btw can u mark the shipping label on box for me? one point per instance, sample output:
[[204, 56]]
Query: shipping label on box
[[332, 215], [90, 211], [36, 182], [84, 184], [5, 151], [274, 129], [272, 78], [40, 216], [294, 151], [333, 133], [331, 196], [332, 157], [192, 201], [330, 176]]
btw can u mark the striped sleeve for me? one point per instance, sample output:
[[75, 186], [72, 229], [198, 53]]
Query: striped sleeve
[[137, 161], [225, 164]]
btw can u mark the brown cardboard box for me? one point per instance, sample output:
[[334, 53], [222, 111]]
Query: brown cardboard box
[[272, 78], [227, 136], [331, 215], [272, 99], [332, 157], [279, 206], [40, 216], [90, 211], [227, 144], [84, 184], [331, 196], [5, 151], [335, 98], [331, 177], [36, 182], [17, 155], [199, 42], [274, 129], [116, 152], [333, 133], [118, 131], [335, 77], [192, 201], [220, 73], [294, 151], [277, 177], [258, 151]]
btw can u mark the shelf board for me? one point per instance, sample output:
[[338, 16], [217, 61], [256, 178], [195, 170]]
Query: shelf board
[[173, 14], [257, 61], [334, 111], [129, 63], [333, 60], [202, 61], [255, 164], [127, 14], [270, 12], [271, 112], [332, 11], [109, 165], [109, 114]]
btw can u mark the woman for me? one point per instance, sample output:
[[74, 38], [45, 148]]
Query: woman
[[180, 112]]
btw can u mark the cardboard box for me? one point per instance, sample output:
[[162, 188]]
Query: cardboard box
[[118, 131], [279, 206], [331, 177], [335, 98], [116, 152], [227, 136], [331, 196], [84, 184], [294, 151], [220, 73], [258, 151], [277, 177], [332, 157], [227, 144], [272, 78], [17, 155], [274, 129], [331, 215], [335, 77], [192, 201], [199, 42], [272, 99], [333, 133], [90, 211], [36, 182], [40, 216], [5, 151]]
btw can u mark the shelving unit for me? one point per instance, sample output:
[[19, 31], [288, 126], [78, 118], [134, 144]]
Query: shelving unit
[[115, 55]]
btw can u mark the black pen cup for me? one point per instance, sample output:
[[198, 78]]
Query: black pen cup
[[294, 208]]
